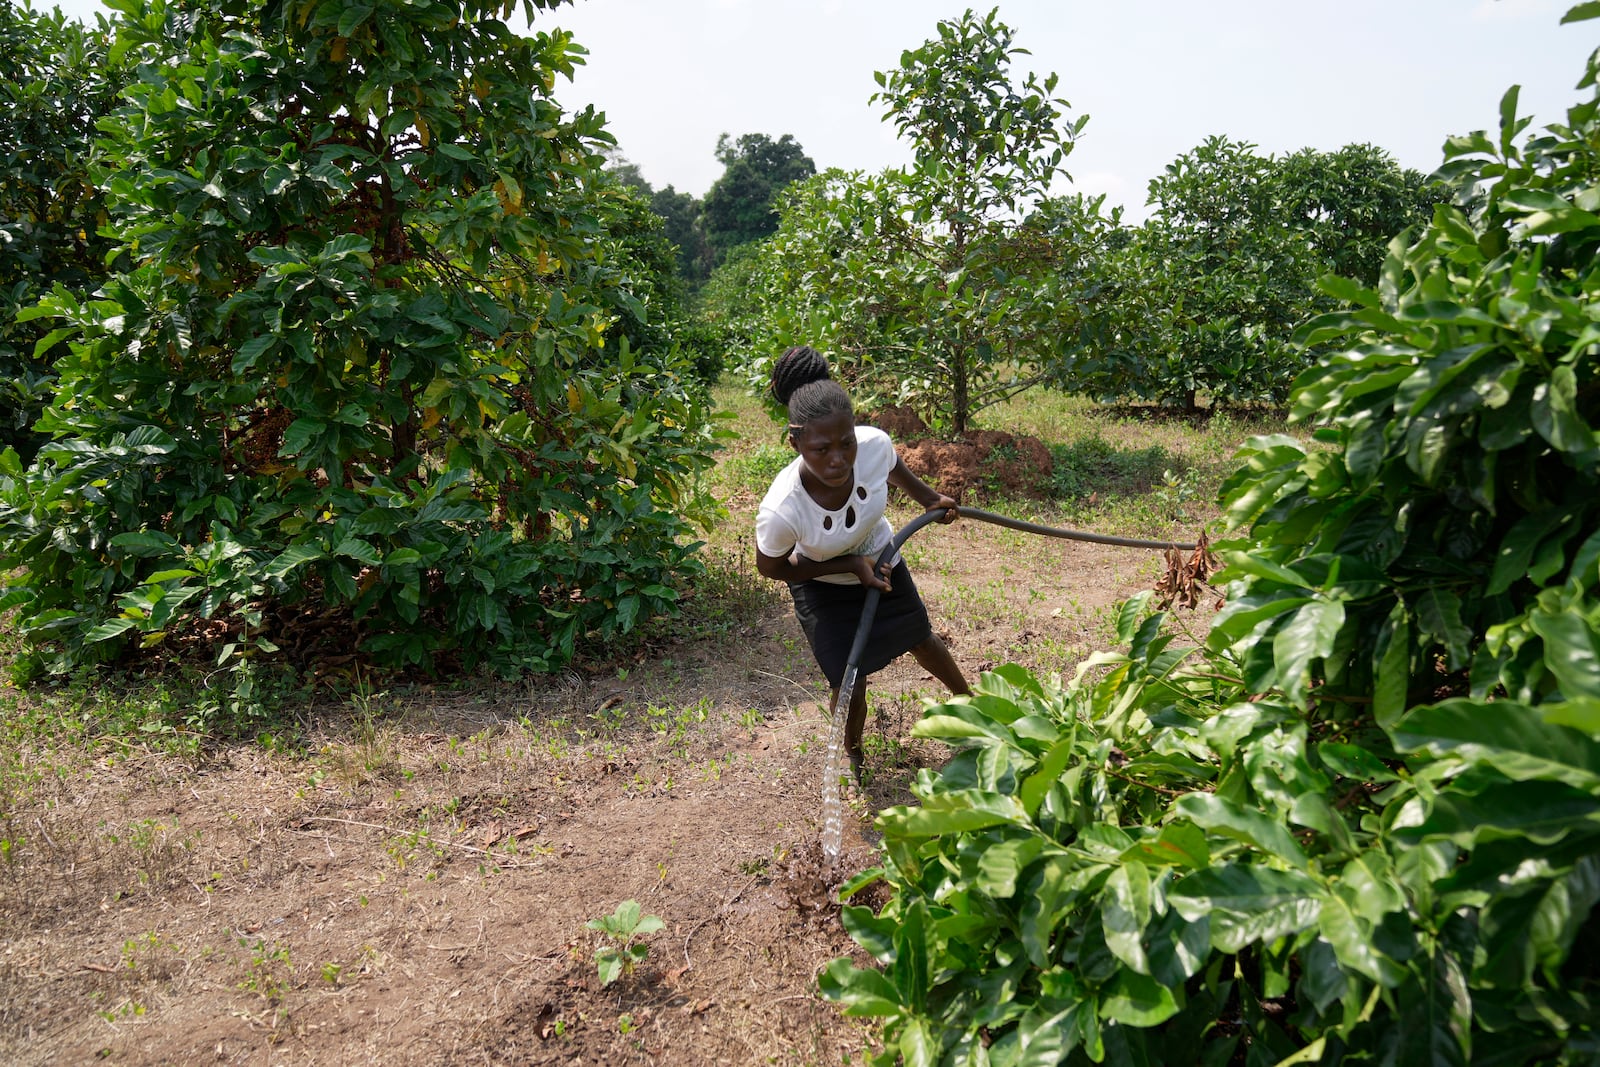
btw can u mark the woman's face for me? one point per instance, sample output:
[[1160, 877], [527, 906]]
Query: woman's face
[[827, 448]]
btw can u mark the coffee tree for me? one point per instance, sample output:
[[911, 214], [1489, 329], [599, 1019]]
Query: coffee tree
[[1361, 822], [1204, 298], [55, 83], [367, 376], [935, 293]]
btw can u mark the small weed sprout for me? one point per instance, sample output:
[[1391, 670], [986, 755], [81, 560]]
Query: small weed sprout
[[1178, 492], [269, 972], [620, 949]]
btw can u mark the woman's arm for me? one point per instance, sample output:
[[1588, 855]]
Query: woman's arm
[[784, 569], [920, 491]]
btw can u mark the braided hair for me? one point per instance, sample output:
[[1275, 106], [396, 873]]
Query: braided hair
[[801, 382]]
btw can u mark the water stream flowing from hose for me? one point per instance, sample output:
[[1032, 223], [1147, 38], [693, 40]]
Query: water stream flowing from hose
[[833, 767]]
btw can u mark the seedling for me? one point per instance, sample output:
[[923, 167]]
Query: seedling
[[620, 949]]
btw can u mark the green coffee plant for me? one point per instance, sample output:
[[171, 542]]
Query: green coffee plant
[[1362, 821], [1152, 868], [1204, 297], [56, 82], [372, 355]]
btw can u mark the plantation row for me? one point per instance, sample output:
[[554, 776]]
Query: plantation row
[[329, 328], [325, 324], [1361, 821]]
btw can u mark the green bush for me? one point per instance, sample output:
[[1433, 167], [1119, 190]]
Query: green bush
[[1362, 823], [55, 83], [1203, 299], [367, 379]]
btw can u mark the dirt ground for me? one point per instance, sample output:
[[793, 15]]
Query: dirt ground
[[409, 883]]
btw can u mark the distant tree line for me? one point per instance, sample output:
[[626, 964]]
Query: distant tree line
[[965, 278], [738, 209]]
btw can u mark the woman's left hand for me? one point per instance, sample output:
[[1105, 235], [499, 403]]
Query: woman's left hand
[[951, 509]]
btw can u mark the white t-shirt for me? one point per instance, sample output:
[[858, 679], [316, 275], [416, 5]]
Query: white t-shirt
[[791, 525]]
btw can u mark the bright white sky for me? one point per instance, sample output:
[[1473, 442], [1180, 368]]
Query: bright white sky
[[1156, 76]]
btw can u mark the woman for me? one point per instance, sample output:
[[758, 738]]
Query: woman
[[821, 528]]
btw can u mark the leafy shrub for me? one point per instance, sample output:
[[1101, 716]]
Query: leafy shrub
[[1204, 298], [363, 380], [1363, 821], [55, 82]]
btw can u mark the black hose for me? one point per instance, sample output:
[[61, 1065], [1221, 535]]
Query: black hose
[[1071, 535], [869, 607]]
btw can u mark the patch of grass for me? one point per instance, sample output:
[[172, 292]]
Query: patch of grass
[[978, 606], [154, 854], [674, 724], [755, 469], [729, 596], [1094, 465], [178, 713], [372, 751]]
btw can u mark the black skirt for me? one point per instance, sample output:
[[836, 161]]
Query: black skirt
[[830, 612]]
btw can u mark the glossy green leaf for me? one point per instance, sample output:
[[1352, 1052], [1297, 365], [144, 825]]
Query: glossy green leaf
[[1307, 637], [1124, 914], [972, 810], [294, 557], [1036, 786], [1392, 670], [1516, 551], [1555, 413], [1434, 1023], [109, 629], [146, 543], [1352, 938], [1439, 616], [1002, 863], [1137, 1000], [1353, 761], [861, 991], [1571, 651], [1255, 828], [910, 975], [1537, 810], [1179, 844], [1247, 903], [1513, 738]]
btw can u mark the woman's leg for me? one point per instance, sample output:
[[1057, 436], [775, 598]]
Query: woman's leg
[[937, 660]]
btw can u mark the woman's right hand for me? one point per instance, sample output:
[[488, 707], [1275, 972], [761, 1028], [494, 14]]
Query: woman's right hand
[[868, 573]]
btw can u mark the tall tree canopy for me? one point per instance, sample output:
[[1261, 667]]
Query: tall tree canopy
[[922, 279], [372, 364], [740, 206]]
